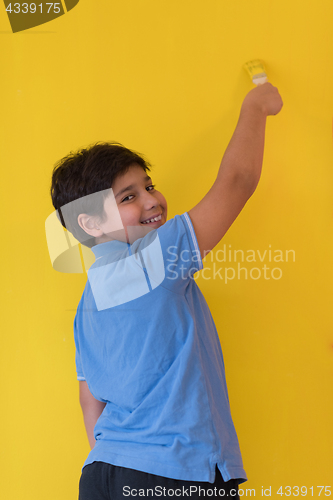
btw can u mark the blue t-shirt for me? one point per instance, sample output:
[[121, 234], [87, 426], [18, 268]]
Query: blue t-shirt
[[147, 346]]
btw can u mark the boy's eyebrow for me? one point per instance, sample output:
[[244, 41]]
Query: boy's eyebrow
[[131, 186]]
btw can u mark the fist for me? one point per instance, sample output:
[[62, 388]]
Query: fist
[[265, 97]]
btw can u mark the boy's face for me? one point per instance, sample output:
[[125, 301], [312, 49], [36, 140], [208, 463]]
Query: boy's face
[[138, 202]]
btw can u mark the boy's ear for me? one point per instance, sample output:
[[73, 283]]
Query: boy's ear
[[89, 224]]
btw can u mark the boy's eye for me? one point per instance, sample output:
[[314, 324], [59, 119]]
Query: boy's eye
[[127, 197], [152, 186]]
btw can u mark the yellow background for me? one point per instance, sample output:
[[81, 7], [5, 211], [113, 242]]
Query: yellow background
[[165, 78]]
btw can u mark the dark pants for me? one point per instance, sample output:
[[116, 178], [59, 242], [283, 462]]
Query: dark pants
[[102, 481]]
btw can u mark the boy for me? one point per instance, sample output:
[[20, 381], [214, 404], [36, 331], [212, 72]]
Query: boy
[[148, 357]]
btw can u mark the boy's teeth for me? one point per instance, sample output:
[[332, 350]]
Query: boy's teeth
[[155, 219]]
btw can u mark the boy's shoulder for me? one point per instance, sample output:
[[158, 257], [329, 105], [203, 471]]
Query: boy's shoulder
[[123, 272]]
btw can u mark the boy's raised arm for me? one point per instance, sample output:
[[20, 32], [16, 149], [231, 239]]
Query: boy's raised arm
[[239, 171]]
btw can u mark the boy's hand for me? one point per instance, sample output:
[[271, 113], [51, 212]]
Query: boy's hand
[[265, 97]]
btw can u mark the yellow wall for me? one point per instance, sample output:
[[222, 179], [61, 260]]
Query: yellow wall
[[166, 79]]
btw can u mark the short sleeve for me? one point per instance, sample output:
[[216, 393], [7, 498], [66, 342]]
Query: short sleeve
[[79, 371], [180, 248], [170, 253]]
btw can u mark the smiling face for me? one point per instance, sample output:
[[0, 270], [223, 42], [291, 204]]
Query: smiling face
[[138, 203]]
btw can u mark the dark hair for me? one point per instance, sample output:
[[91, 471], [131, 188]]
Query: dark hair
[[84, 172]]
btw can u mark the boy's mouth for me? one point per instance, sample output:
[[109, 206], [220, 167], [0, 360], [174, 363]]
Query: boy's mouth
[[152, 219]]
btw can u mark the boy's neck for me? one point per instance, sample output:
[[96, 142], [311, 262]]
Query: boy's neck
[[126, 235]]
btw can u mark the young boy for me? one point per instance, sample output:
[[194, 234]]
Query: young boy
[[148, 357]]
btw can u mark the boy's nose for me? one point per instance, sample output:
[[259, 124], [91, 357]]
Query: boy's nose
[[150, 200]]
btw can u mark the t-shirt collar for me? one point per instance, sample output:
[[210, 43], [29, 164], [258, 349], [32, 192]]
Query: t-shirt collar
[[109, 247]]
